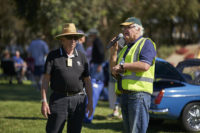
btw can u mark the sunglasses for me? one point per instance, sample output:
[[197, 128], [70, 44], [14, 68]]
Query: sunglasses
[[72, 37]]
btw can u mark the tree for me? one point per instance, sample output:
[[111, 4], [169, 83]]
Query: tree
[[161, 19]]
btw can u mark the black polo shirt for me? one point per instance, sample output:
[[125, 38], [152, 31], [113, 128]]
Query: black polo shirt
[[66, 78]]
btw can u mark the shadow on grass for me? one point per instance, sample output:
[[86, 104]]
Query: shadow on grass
[[115, 126], [171, 126], [18, 92], [24, 118], [100, 117]]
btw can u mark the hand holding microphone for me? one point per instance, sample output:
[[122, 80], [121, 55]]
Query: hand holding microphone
[[115, 40]]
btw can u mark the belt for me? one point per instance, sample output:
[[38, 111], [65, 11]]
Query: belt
[[131, 92], [68, 94], [127, 91]]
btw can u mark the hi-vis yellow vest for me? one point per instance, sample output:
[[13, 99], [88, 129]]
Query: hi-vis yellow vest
[[136, 81]]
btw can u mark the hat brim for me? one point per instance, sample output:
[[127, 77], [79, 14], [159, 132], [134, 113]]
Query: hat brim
[[70, 34], [126, 23]]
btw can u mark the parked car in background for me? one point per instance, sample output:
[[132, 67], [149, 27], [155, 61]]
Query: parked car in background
[[177, 93]]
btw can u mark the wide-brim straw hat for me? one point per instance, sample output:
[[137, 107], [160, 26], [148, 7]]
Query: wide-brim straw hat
[[69, 29]]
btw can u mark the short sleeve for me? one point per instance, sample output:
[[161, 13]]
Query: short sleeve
[[148, 52], [86, 72], [48, 64], [46, 48]]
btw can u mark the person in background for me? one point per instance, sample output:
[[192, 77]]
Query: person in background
[[14, 46], [97, 55], [20, 66], [6, 62], [67, 70], [89, 49], [112, 98], [133, 68], [80, 42], [38, 50], [6, 55]]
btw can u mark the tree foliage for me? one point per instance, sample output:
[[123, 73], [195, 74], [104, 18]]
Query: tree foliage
[[166, 21]]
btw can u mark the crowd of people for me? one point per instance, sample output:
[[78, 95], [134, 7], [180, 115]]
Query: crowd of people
[[69, 69], [31, 64]]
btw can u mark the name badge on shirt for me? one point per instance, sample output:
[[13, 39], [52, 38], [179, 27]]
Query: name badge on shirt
[[69, 62]]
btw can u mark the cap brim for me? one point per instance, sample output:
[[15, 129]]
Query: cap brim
[[70, 34], [126, 23]]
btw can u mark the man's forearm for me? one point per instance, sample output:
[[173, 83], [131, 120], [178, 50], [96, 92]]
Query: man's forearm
[[136, 66], [113, 60], [45, 85], [88, 87]]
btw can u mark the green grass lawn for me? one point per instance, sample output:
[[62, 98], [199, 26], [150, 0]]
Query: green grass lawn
[[20, 113]]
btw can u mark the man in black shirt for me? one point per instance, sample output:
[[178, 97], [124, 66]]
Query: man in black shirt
[[97, 55], [67, 71]]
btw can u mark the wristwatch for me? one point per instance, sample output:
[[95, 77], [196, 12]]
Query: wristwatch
[[121, 65]]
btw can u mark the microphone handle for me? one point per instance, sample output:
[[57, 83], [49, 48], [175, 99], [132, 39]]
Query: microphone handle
[[112, 42]]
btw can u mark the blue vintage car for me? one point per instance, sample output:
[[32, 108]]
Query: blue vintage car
[[177, 93]]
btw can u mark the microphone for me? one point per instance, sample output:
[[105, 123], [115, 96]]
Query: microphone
[[115, 40]]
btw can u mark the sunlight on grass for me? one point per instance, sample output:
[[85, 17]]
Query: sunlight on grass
[[18, 116], [20, 113], [26, 82]]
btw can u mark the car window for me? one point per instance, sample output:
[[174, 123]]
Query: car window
[[192, 74], [190, 69], [164, 70]]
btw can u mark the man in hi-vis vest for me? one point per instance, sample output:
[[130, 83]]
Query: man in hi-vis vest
[[133, 68]]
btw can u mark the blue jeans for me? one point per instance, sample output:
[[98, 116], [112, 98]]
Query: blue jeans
[[135, 114], [96, 75]]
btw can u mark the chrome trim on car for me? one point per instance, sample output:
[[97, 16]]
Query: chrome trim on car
[[182, 96], [159, 111]]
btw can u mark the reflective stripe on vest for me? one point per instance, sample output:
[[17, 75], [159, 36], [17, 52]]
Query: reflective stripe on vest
[[134, 77]]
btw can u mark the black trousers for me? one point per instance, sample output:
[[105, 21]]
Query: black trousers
[[66, 108]]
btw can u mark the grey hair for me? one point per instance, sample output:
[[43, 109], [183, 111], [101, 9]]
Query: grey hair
[[139, 27]]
